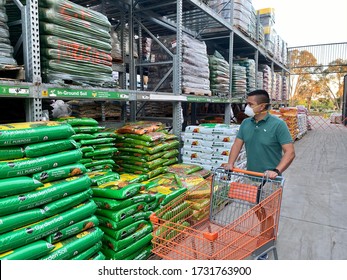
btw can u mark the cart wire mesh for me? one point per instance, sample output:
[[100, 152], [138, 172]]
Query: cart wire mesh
[[229, 227]]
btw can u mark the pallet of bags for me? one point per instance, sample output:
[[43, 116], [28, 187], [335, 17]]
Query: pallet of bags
[[145, 148], [45, 194], [75, 44], [219, 75]]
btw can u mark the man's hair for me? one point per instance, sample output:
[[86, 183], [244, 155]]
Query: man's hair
[[262, 97]]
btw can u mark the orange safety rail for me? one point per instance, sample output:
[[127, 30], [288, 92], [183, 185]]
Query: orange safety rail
[[179, 234]]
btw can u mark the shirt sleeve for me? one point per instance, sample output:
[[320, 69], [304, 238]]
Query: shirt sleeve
[[283, 134], [240, 132]]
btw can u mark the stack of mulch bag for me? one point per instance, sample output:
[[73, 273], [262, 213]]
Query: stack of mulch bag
[[46, 211], [145, 148], [75, 44], [6, 50], [219, 75]]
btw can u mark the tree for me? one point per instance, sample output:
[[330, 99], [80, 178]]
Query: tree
[[333, 80]]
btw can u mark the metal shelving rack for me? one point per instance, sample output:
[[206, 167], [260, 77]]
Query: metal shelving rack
[[143, 16]]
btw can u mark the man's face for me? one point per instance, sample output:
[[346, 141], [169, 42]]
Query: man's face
[[253, 103]]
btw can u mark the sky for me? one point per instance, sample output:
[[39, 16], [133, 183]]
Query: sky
[[308, 22]]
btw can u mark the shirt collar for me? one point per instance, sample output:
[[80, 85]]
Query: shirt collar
[[263, 120]]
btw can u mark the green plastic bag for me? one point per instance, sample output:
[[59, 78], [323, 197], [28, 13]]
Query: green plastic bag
[[11, 153], [134, 247], [100, 177], [118, 204], [121, 214], [99, 162], [73, 229], [67, 248], [86, 129], [14, 134], [125, 231], [51, 147], [101, 152], [148, 137], [32, 251], [82, 136], [109, 223], [13, 186], [60, 173], [143, 254], [98, 257], [89, 252], [24, 167], [79, 121], [17, 238], [117, 189], [97, 141], [49, 192], [117, 245]]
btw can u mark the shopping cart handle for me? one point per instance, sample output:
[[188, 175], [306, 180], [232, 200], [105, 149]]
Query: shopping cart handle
[[252, 173]]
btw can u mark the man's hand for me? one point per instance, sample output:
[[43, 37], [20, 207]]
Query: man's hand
[[228, 166], [271, 174]]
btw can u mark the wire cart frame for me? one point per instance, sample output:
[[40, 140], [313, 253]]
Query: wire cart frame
[[239, 222]]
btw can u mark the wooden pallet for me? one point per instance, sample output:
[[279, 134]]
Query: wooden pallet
[[199, 92], [12, 73]]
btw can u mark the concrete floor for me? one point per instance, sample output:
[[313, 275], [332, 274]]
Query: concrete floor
[[313, 222]]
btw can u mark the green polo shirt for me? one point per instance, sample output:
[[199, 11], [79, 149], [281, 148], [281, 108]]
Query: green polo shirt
[[263, 142]]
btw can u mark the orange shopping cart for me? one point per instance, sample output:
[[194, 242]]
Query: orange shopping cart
[[239, 222]]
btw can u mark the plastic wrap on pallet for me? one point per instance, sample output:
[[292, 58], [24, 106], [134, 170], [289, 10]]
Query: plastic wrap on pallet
[[219, 75]]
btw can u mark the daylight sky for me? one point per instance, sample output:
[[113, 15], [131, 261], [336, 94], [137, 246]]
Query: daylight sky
[[308, 22]]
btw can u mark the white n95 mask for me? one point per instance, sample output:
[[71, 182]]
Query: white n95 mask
[[249, 111]]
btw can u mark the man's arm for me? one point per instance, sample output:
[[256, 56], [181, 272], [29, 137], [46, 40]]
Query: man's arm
[[287, 159], [234, 153]]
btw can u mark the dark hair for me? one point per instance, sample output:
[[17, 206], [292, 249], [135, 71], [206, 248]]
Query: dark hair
[[262, 96]]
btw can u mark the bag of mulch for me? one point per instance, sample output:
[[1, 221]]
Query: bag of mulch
[[11, 153], [89, 252], [133, 178], [121, 214], [99, 162], [170, 154], [97, 141], [101, 152], [102, 146], [49, 192], [17, 220], [137, 142], [79, 121], [125, 231], [140, 127], [14, 134], [82, 136], [51, 147], [98, 257], [87, 149], [87, 129], [24, 167], [169, 180], [143, 157], [13, 186], [32, 251], [60, 173], [85, 160], [184, 169], [20, 237], [109, 223], [101, 177], [74, 229], [171, 161], [132, 248], [118, 245], [148, 137], [105, 135], [117, 204], [66, 249], [119, 189], [102, 167], [142, 254]]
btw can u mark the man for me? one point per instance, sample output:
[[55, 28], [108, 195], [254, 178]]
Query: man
[[269, 147]]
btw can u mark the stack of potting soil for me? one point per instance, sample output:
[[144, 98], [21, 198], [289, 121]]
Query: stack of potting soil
[[123, 211], [267, 20], [75, 44], [267, 74], [290, 116], [195, 66], [85, 109], [98, 147], [155, 109], [45, 206], [6, 50], [277, 93], [145, 148], [285, 88], [209, 145], [242, 14], [219, 75], [302, 110], [260, 80], [239, 84], [250, 72]]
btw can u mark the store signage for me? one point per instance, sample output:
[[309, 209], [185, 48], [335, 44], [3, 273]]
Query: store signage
[[198, 99], [84, 93], [15, 91]]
